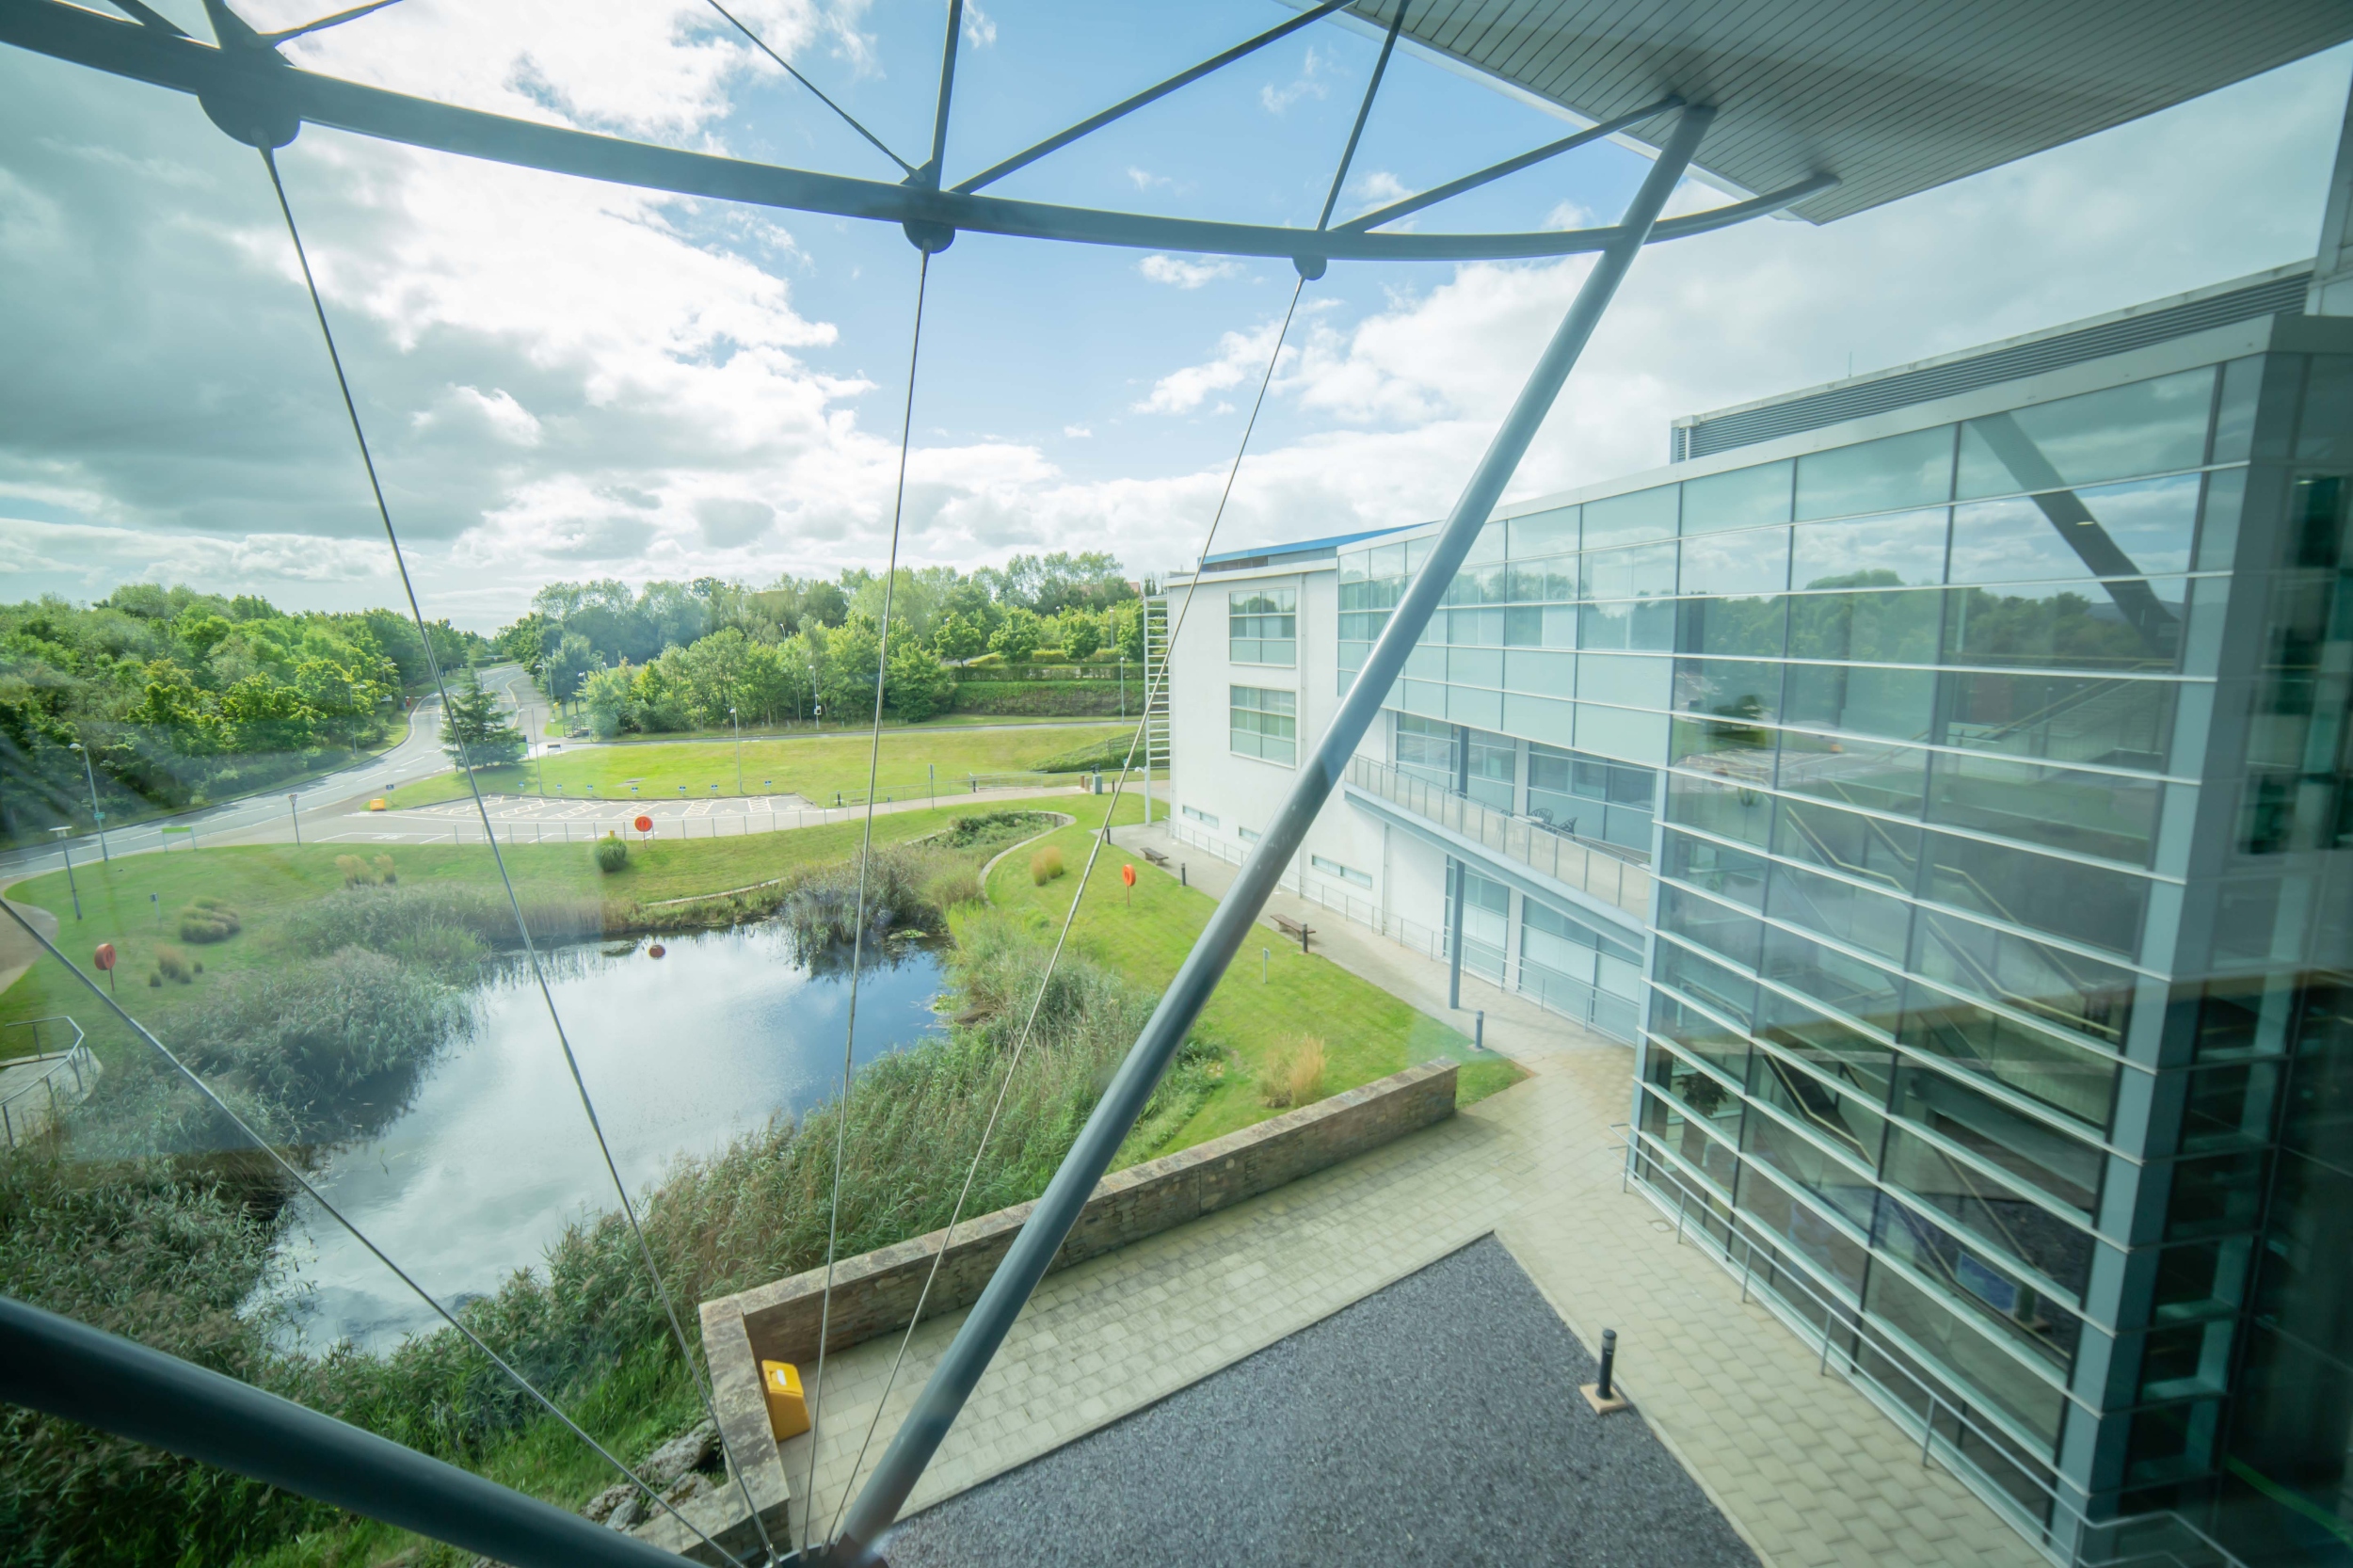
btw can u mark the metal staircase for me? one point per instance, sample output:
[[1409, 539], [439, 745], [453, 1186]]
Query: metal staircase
[[1156, 693]]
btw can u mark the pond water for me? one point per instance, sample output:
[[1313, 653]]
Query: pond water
[[494, 1155]]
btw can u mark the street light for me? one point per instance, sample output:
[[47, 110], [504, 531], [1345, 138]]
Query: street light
[[292, 817], [739, 749], [65, 848], [96, 814]]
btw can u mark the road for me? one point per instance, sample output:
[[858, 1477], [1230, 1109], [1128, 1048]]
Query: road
[[320, 801]]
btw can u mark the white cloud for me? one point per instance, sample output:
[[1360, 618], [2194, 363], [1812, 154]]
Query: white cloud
[[1241, 356], [1186, 274], [1378, 187], [1143, 178], [1077, 432], [1307, 83], [980, 29]]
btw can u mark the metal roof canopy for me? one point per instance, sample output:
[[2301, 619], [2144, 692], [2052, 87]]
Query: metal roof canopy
[[1892, 98]]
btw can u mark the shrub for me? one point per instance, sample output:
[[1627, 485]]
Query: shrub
[[384, 872], [1293, 1075], [208, 920], [952, 888], [172, 964], [821, 908], [355, 872], [993, 827], [1046, 865], [612, 854]]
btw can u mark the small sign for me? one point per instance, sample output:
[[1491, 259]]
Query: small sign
[[1128, 874], [644, 824], [106, 955]]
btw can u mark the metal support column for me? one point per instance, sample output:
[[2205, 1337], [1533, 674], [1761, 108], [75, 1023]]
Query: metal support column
[[985, 1328], [1457, 880]]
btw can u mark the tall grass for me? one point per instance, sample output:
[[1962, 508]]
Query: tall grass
[[820, 907], [380, 919]]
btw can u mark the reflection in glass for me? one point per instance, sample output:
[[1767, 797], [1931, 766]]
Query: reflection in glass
[[2142, 529], [2107, 815], [2126, 625], [1767, 1140], [1765, 1201], [1886, 778], [1889, 628], [1626, 519], [1990, 1210], [1824, 1110], [1729, 809], [1644, 571], [2092, 905], [1859, 1065], [1544, 534], [2109, 723], [1641, 624], [1722, 871], [1752, 628], [1906, 550], [1838, 981], [1868, 848], [1749, 562], [1885, 475], [1706, 981], [2043, 1066], [1742, 498], [2036, 1153], [2147, 427], [1843, 911]]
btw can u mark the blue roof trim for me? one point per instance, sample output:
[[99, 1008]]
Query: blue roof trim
[[1303, 546]]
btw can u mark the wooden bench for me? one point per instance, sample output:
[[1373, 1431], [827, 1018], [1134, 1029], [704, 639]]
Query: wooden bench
[[1157, 859], [1289, 927]]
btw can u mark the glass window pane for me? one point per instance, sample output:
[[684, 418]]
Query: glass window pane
[[2041, 1067], [1544, 674], [1625, 518], [1710, 925], [1933, 1326], [1756, 628], [1637, 624], [1861, 1066], [1630, 681], [1543, 533], [2148, 427], [1724, 872], [1766, 1202], [1855, 916], [2036, 1153], [1705, 981], [2099, 815], [2087, 903], [1886, 778], [1987, 1210], [1636, 573], [2127, 723], [1982, 1282], [1732, 810], [2062, 989], [1806, 1165], [1903, 551], [1740, 499], [1860, 846], [1851, 1126], [2126, 625], [1898, 704], [1746, 691], [1887, 628], [1749, 562], [1844, 983], [1877, 477], [2140, 529]]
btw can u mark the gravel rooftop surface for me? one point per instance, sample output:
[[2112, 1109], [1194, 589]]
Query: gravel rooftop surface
[[1436, 1420]]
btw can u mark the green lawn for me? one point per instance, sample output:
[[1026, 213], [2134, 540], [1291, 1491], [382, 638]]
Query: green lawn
[[1144, 934], [814, 766], [133, 903]]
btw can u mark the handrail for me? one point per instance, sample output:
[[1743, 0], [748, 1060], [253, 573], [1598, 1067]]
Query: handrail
[[78, 1373], [74, 1058], [1609, 871], [1636, 1142]]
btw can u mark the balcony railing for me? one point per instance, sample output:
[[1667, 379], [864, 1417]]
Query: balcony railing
[[1614, 875]]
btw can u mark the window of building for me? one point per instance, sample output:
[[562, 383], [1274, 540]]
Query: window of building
[[1346, 874], [1493, 769], [1248, 835], [1262, 626], [1590, 796], [1200, 816], [1877, 477], [2148, 427], [1425, 748], [1264, 723]]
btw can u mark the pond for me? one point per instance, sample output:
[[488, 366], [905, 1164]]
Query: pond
[[493, 1156]]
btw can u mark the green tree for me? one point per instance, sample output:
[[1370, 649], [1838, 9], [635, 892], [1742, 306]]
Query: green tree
[[573, 661], [1020, 635], [475, 732], [920, 686], [959, 636], [1081, 633]]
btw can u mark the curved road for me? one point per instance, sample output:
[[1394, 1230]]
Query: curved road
[[264, 816]]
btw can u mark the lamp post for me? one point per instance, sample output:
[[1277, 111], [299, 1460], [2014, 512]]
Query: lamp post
[[65, 847], [292, 817], [96, 815], [739, 749]]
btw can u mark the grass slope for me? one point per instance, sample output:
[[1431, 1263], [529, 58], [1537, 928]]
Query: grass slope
[[814, 766], [1145, 936]]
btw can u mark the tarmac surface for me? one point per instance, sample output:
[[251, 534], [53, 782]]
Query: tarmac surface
[[1436, 1421]]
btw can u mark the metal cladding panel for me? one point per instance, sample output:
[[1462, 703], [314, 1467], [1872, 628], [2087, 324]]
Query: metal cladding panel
[[1704, 436], [1892, 98]]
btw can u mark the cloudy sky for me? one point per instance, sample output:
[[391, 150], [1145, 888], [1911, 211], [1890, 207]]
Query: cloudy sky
[[565, 381]]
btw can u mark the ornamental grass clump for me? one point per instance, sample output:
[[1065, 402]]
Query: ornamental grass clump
[[1293, 1075], [612, 854], [208, 920], [1046, 865]]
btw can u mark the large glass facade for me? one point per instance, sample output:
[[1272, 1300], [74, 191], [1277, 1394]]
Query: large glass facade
[[1996, 982]]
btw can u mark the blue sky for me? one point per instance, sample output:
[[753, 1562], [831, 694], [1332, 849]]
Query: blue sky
[[569, 380]]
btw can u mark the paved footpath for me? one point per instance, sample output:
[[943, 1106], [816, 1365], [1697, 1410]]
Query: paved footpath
[[1807, 1471]]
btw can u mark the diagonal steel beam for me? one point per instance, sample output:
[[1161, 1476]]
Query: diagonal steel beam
[[995, 172], [1431, 197], [992, 1316], [1364, 112]]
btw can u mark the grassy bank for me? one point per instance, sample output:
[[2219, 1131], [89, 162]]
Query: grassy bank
[[1145, 934], [812, 766]]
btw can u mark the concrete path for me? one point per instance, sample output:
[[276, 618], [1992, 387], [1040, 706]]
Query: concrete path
[[1805, 1470]]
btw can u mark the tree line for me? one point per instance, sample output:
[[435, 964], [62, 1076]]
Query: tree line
[[677, 656], [179, 698]]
